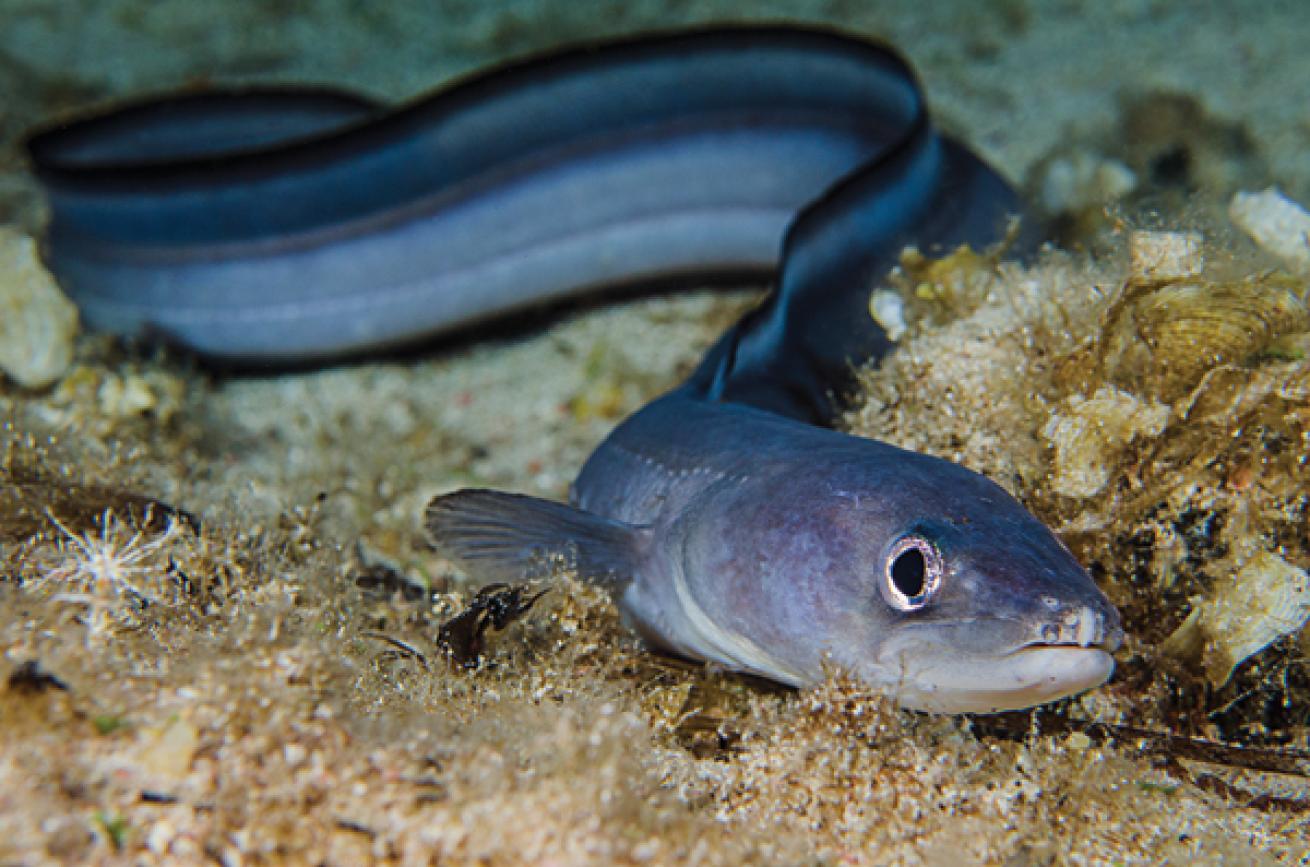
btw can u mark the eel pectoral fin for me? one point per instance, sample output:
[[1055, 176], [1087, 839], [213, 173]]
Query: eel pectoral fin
[[512, 537]]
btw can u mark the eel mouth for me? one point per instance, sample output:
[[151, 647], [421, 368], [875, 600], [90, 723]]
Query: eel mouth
[[1032, 675]]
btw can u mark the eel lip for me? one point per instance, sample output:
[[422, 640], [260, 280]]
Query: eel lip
[[1031, 675]]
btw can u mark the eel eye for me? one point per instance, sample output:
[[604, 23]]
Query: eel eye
[[912, 574]]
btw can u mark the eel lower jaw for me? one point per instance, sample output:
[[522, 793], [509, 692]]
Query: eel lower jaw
[[1029, 676]]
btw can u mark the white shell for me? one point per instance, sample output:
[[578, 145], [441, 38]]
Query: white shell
[[1263, 601]]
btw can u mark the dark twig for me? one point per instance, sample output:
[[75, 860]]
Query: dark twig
[[1285, 760], [406, 649]]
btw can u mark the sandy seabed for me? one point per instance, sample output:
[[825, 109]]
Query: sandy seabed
[[255, 677]]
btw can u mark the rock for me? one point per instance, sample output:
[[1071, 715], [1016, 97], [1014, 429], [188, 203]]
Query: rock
[[37, 323]]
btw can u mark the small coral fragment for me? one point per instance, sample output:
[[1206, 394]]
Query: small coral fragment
[[1265, 600]]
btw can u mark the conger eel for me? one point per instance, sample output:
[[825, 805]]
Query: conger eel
[[287, 224]]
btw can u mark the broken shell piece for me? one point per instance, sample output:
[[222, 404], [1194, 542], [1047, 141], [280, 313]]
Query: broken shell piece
[[1191, 328], [1278, 225], [1156, 257], [1089, 436], [1265, 600], [1188, 329]]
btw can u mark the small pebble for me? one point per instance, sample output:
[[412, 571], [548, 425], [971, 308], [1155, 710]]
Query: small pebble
[[888, 310], [168, 752], [1079, 741]]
